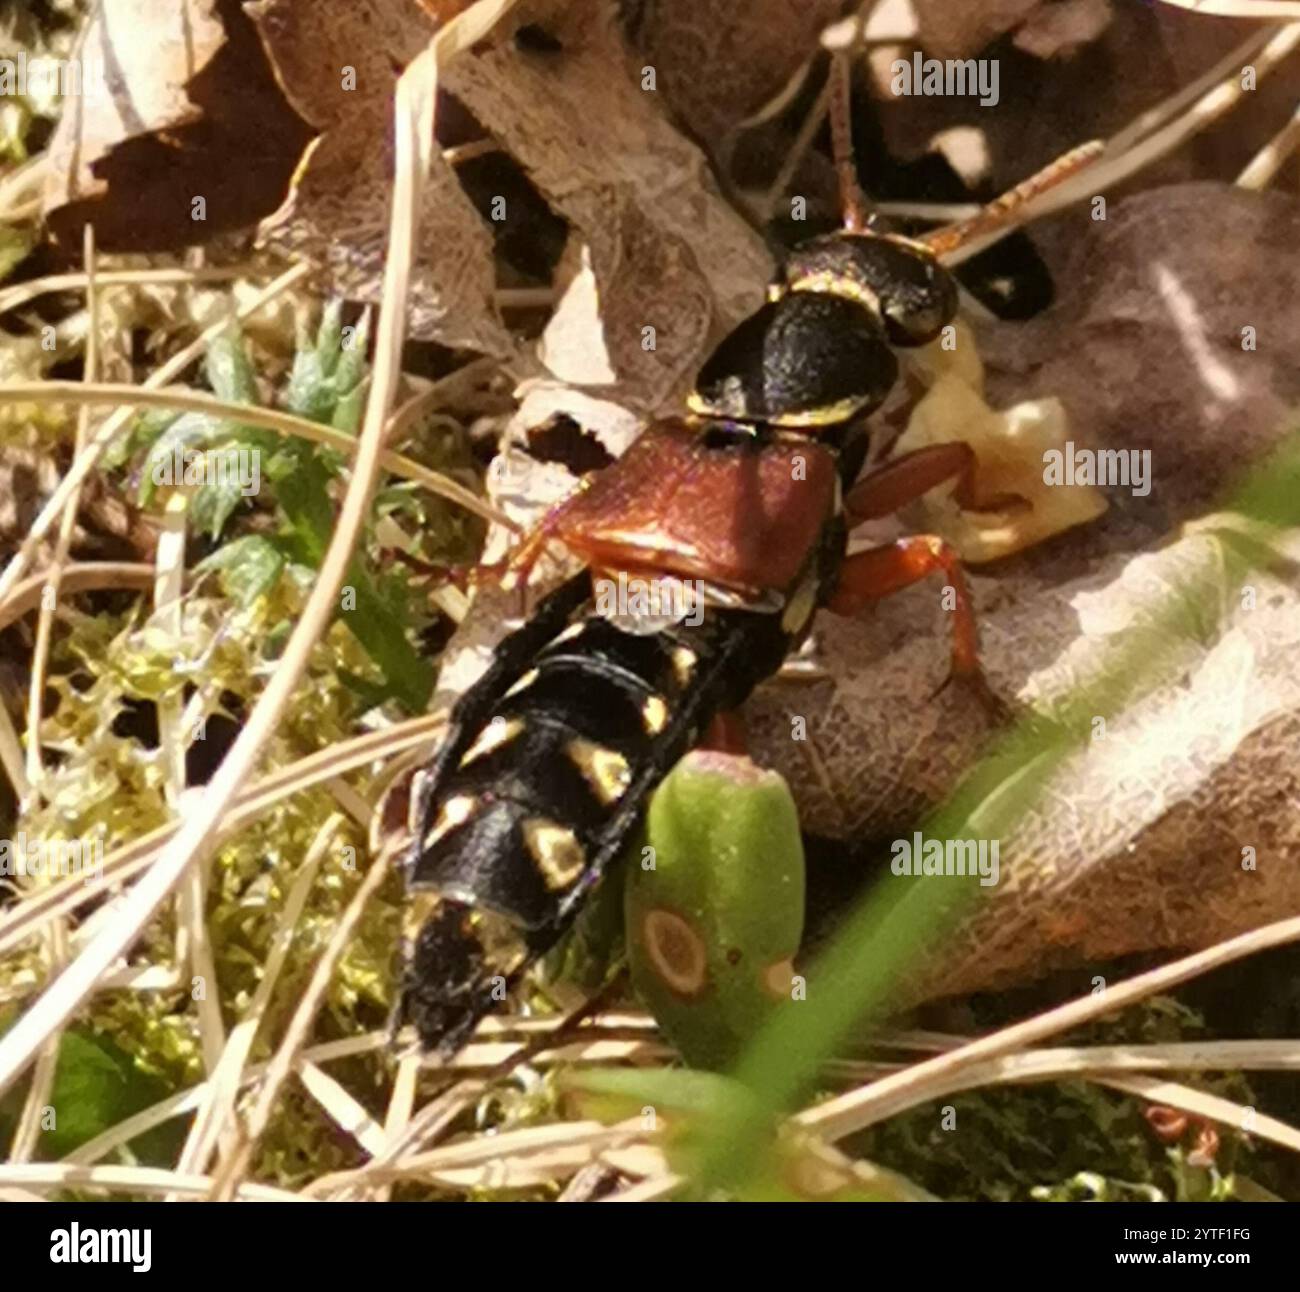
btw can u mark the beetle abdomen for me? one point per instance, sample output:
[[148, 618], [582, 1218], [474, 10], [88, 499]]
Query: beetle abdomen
[[526, 805]]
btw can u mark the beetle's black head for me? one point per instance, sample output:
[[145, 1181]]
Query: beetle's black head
[[807, 359], [901, 280]]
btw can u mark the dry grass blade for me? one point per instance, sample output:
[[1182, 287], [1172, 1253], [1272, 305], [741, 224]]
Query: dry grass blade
[[147, 1180], [655, 1189], [213, 1116], [345, 1111], [21, 293], [415, 1130], [124, 863], [512, 1159], [235, 1164], [11, 751], [1133, 149], [196, 837], [198, 832], [881, 1099], [1108, 1065], [56, 933], [1264, 166], [1168, 108], [1213, 1107], [181, 399], [85, 576]]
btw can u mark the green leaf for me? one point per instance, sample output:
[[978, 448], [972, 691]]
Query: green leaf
[[144, 431], [382, 631], [229, 372], [249, 567], [164, 464], [327, 381], [96, 1085], [304, 497]]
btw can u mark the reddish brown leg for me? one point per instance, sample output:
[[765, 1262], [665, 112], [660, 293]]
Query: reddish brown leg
[[868, 576], [459, 576], [726, 733], [901, 480], [519, 564]]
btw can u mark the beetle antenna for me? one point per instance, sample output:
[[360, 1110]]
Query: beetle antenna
[[853, 202], [1008, 210]]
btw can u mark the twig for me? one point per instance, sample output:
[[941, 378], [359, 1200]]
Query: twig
[[857, 1109], [21, 293]]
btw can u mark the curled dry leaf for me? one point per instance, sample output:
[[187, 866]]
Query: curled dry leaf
[[177, 103], [673, 265], [1136, 843], [949, 30], [1014, 506], [718, 64], [1060, 29], [338, 61], [108, 526]]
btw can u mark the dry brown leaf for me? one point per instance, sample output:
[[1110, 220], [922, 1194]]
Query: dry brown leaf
[[1060, 29], [109, 526], [719, 63], [185, 108], [950, 30], [338, 62], [667, 253]]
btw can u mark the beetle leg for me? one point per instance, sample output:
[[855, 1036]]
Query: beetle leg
[[726, 733], [519, 565], [879, 571], [901, 480], [461, 576]]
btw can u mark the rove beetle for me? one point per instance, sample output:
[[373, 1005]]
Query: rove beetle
[[548, 760]]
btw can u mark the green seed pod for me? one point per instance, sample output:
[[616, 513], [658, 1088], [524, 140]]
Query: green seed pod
[[714, 904]]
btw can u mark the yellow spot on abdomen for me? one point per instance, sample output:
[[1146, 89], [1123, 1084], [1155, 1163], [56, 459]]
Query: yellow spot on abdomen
[[555, 848], [654, 713], [524, 682], [498, 732], [455, 811], [605, 770], [684, 661]]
